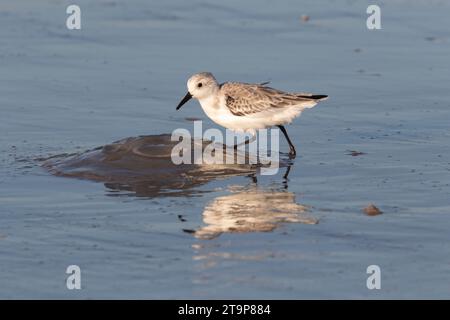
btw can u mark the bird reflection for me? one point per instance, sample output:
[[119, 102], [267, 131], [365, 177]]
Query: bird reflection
[[251, 210]]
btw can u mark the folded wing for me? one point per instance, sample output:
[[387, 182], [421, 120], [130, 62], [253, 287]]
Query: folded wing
[[245, 99]]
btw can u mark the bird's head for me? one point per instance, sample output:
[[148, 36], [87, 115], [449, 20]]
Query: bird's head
[[200, 86]]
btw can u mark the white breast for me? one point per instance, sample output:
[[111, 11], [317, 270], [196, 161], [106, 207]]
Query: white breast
[[215, 109]]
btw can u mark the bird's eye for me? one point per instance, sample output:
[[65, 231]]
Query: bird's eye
[[200, 85]]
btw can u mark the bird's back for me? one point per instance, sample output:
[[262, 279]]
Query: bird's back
[[243, 99]]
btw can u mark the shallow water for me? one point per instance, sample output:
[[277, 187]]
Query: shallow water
[[143, 166], [65, 92]]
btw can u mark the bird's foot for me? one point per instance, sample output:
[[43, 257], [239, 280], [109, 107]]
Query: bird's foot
[[292, 153], [254, 178], [286, 174]]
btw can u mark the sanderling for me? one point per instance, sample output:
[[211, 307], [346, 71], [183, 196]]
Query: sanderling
[[247, 107]]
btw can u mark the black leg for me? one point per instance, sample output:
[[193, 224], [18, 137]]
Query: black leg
[[253, 177], [292, 151], [286, 174], [245, 143]]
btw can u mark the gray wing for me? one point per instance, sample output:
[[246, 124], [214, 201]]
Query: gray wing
[[244, 99]]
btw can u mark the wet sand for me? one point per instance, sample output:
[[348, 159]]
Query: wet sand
[[382, 138], [143, 167]]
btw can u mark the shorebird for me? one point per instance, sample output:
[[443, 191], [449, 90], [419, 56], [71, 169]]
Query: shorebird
[[247, 107]]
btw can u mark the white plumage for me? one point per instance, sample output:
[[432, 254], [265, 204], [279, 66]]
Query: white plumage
[[247, 107]]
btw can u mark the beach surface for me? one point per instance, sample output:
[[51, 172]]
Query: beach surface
[[382, 138]]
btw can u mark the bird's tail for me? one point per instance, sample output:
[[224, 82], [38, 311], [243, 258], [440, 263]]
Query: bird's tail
[[315, 97]]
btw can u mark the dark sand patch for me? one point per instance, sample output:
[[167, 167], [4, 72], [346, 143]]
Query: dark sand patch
[[143, 167]]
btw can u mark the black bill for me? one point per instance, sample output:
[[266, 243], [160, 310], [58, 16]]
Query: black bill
[[186, 98]]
